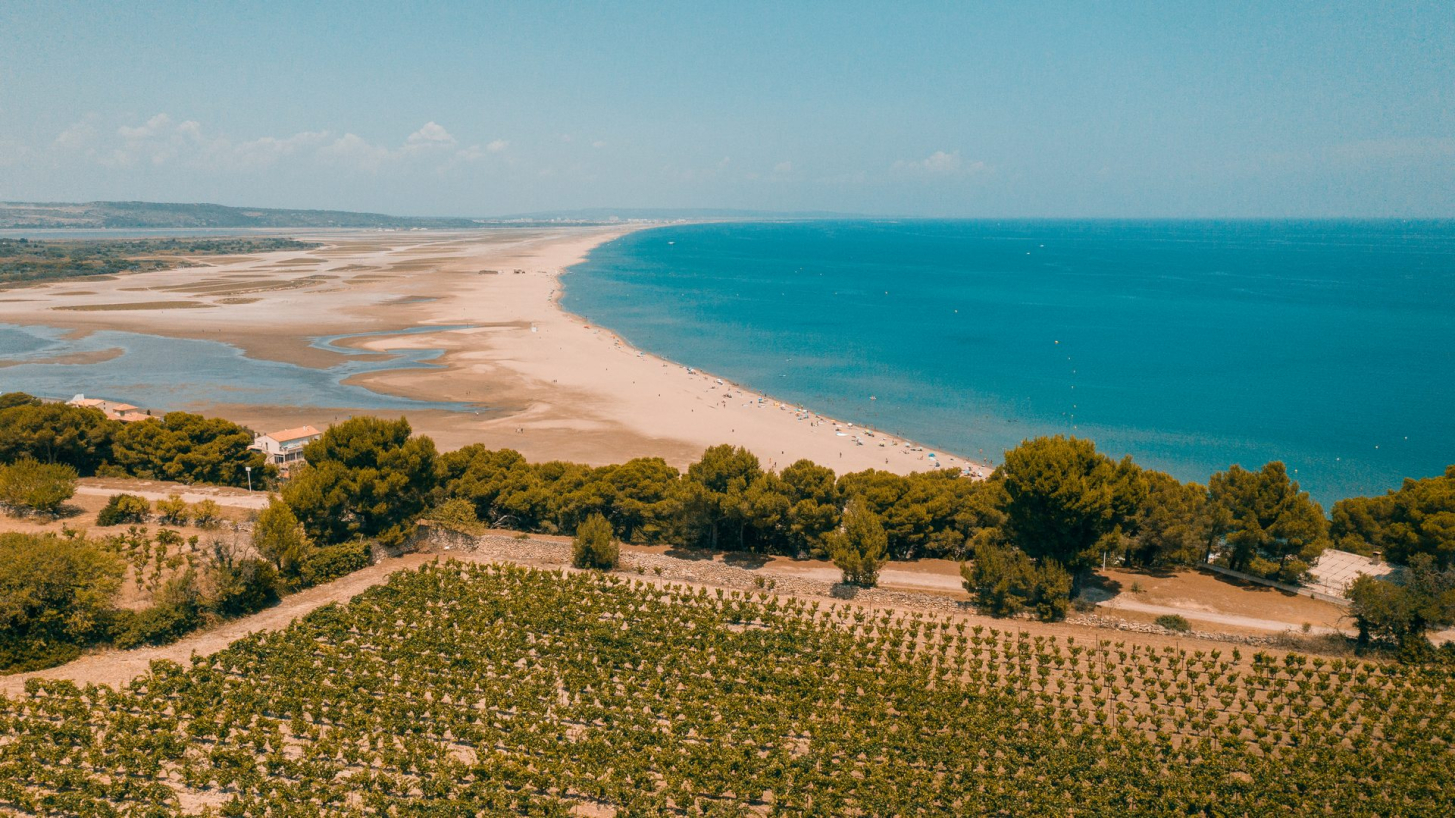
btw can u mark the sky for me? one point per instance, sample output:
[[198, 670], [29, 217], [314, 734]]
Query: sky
[[959, 109]]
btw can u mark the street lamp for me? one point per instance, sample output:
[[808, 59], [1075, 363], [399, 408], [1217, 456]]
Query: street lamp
[[249, 470]]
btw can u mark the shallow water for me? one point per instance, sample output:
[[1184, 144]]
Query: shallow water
[[171, 373], [1189, 345]]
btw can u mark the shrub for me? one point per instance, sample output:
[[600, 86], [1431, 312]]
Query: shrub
[[55, 597], [1173, 622], [1403, 614], [278, 537], [173, 510], [32, 486], [206, 514], [456, 514], [244, 587], [157, 625], [176, 612], [325, 563], [861, 548], [124, 508], [593, 546], [1053, 592], [1004, 582]]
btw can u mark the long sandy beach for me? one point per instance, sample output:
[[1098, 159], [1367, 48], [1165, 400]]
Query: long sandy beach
[[554, 386]]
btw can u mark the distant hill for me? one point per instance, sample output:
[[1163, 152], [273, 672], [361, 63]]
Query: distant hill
[[142, 215], [610, 214]]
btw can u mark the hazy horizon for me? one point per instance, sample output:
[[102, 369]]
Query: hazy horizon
[[1039, 110]]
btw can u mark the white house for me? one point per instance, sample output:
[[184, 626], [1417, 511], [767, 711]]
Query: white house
[[285, 448]]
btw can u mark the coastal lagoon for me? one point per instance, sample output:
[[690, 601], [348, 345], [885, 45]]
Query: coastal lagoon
[[1188, 345], [175, 373]]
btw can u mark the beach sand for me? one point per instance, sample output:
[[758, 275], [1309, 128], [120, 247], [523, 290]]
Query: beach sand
[[556, 387]]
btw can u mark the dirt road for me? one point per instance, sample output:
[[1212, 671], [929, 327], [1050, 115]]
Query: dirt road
[[118, 667]]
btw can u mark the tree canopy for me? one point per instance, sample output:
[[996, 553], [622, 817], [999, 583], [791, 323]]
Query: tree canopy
[[1067, 502], [1419, 518], [188, 448], [1263, 515], [365, 477]]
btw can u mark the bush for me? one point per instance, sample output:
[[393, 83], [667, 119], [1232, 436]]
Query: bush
[[1173, 622], [456, 514], [325, 563], [861, 548], [124, 508], [176, 613], [278, 537], [1404, 614], [55, 597], [173, 510], [244, 587], [1004, 582], [32, 486], [206, 514], [594, 546], [157, 625]]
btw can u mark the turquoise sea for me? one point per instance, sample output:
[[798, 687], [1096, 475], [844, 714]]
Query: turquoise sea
[[1190, 345]]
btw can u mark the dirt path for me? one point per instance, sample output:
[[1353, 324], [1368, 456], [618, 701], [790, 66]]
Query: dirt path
[[901, 590], [889, 577], [254, 500], [118, 667], [1122, 603]]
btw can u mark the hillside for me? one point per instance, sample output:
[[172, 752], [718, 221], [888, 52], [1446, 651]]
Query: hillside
[[22, 260], [144, 215]]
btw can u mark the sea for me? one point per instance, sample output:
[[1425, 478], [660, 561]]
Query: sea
[[1188, 345]]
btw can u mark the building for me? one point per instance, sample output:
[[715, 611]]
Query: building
[[114, 410], [285, 448]]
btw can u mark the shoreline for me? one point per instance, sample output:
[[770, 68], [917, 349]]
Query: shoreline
[[556, 385]]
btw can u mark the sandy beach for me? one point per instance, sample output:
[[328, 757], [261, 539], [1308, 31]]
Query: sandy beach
[[556, 387]]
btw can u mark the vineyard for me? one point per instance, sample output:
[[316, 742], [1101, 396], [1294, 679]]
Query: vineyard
[[466, 689]]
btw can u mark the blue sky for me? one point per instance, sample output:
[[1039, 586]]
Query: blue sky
[[954, 109]]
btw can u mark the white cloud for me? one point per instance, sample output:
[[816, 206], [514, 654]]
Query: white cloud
[[157, 125], [354, 150], [783, 168], [80, 135], [162, 140], [598, 144], [941, 164], [432, 135], [475, 153], [269, 149]]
